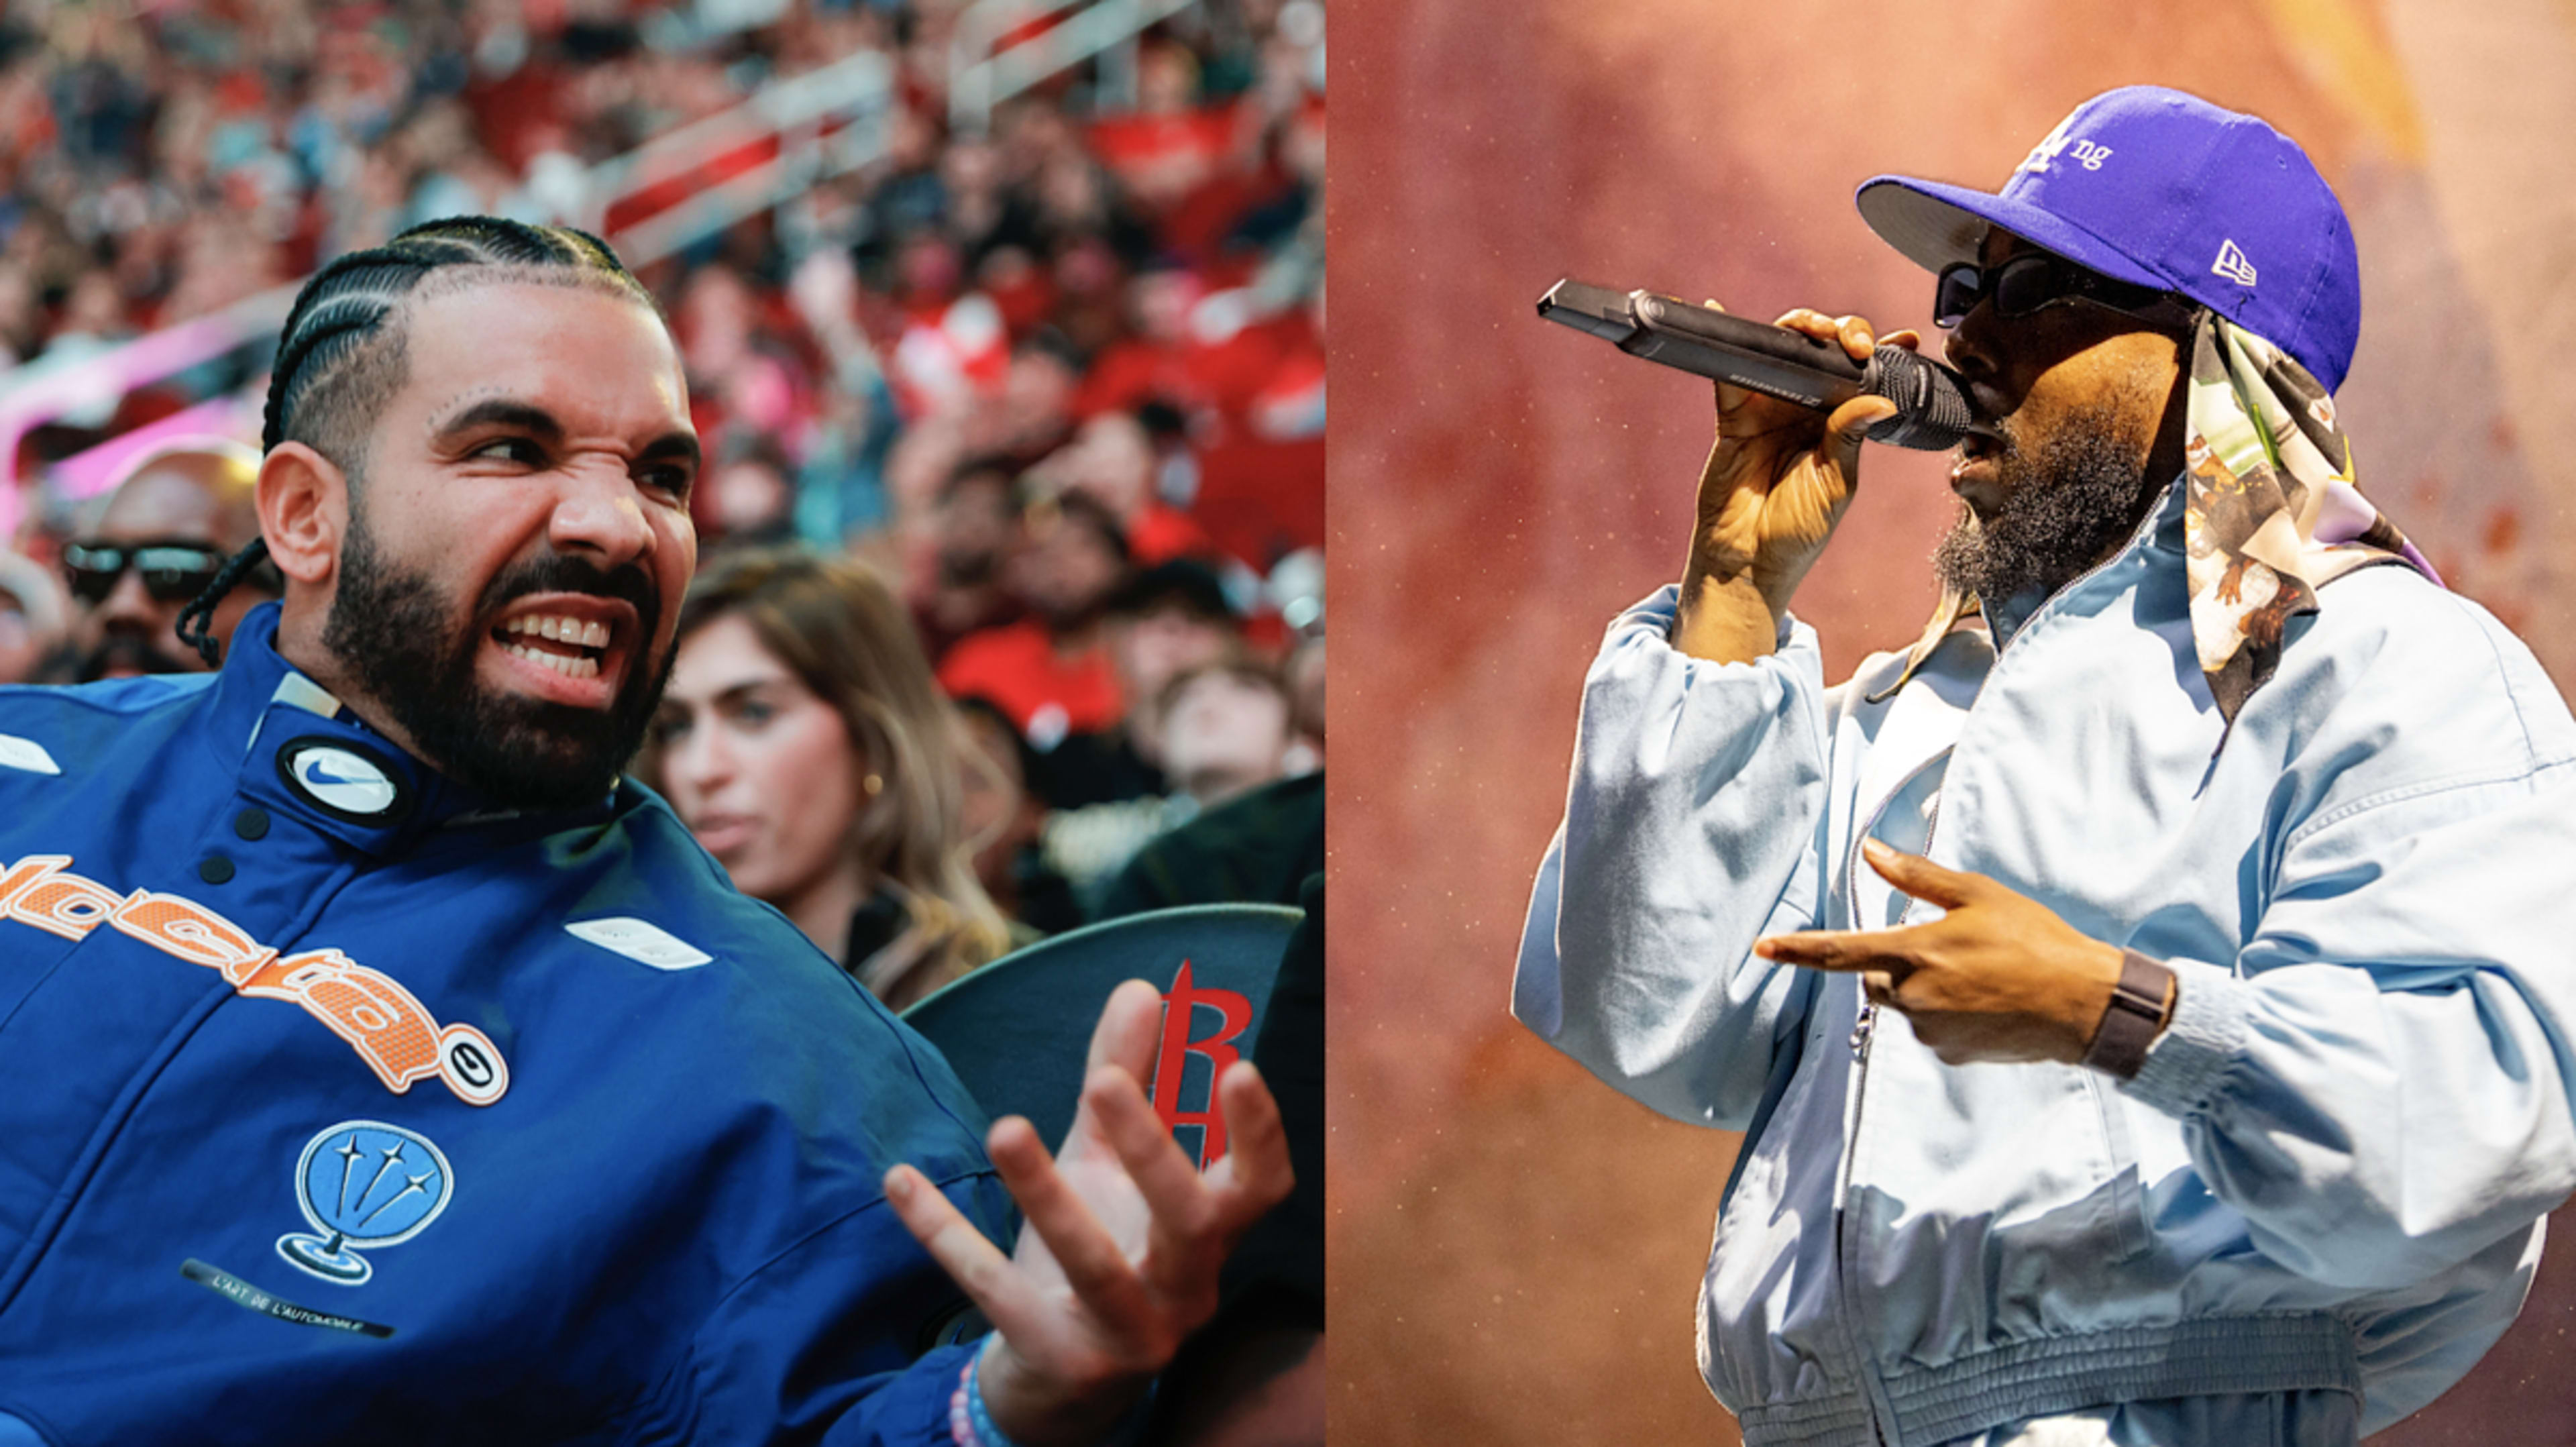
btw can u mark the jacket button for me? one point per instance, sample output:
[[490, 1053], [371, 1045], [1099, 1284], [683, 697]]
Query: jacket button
[[251, 823], [214, 869]]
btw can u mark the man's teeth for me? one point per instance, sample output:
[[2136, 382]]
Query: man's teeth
[[562, 630], [569, 665], [565, 633]]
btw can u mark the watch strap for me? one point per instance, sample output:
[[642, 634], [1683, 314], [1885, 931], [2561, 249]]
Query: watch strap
[[2134, 1017]]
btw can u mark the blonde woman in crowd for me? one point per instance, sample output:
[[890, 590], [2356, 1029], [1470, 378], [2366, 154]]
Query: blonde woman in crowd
[[804, 743]]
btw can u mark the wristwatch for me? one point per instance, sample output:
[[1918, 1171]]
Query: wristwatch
[[2139, 1005]]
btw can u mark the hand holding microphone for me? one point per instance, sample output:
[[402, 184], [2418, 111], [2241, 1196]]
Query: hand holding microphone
[[1932, 414], [1794, 402]]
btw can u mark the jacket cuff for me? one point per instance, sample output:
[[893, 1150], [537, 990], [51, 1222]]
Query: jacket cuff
[[2200, 1042], [1658, 610]]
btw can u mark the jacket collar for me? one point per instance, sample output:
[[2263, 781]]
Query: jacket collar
[[301, 751], [2159, 541]]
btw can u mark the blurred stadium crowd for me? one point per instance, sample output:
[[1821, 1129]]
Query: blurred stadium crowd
[[1009, 374]]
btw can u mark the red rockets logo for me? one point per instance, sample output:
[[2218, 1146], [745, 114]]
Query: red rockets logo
[[391, 1031], [1180, 1005]]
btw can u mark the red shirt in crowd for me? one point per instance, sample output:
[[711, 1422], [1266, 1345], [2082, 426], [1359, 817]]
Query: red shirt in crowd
[[1045, 695], [1160, 532]]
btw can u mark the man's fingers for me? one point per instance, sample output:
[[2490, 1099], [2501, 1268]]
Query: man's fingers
[[1910, 339], [1920, 877], [1842, 951], [1125, 1035], [1154, 1161], [1199, 1218], [1857, 416], [1255, 1174], [1858, 338], [1091, 1259], [1811, 322], [975, 1264]]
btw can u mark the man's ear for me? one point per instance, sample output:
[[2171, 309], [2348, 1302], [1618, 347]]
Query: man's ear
[[303, 511]]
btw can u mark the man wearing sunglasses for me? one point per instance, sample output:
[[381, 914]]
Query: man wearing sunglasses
[[179, 511], [31, 617], [2146, 998]]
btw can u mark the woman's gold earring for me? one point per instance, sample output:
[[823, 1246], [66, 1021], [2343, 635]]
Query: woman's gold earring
[[874, 784]]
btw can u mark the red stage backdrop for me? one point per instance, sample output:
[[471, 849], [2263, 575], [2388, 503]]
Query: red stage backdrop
[[1516, 1251]]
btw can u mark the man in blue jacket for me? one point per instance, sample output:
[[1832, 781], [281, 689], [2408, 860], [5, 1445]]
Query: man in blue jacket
[[375, 1065], [2147, 999]]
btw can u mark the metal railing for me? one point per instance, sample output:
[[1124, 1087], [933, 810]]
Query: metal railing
[[984, 70], [808, 128], [38, 394], [824, 123]]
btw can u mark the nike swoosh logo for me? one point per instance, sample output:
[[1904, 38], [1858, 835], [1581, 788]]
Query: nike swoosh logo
[[313, 774]]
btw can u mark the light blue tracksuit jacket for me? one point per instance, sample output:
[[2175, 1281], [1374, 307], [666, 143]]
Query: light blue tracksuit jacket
[[2328, 1177]]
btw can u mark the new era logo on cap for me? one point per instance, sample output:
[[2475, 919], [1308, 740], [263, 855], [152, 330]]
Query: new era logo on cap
[[2232, 264]]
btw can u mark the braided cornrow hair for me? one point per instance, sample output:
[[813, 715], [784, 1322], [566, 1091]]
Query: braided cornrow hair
[[338, 360]]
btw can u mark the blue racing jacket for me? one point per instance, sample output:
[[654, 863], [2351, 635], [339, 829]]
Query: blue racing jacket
[[337, 1105]]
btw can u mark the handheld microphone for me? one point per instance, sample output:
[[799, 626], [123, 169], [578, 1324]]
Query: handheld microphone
[[1933, 413]]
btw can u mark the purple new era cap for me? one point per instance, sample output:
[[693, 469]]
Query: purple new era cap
[[2162, 189]]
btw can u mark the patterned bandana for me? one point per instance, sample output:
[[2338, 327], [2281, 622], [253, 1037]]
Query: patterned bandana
[[2270, 512]]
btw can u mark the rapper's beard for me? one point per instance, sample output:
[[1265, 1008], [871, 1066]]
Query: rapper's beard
[[391, 627], [2067, 503]]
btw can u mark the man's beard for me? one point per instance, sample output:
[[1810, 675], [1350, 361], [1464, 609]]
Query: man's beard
[[131, 648], [1063, 616], [968, 569], [390, 626], [2067, 504]]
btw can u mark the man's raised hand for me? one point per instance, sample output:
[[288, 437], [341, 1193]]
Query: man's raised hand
[[1124, 1238], [1776, 482]]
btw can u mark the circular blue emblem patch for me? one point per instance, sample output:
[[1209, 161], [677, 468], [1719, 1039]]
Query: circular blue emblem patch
[[364, 1185]]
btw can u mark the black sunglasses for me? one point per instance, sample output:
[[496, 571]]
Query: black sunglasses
[[2034, 280], [172, 572]]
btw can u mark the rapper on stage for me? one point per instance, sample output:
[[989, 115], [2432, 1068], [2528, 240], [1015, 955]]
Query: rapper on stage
[[2147, 997], [377, 1065]]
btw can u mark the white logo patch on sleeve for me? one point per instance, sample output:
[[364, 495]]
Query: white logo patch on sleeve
[[27, 754], [635, 939]]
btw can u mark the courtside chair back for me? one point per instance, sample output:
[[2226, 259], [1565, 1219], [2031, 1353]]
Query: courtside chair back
[[1019, 1029]]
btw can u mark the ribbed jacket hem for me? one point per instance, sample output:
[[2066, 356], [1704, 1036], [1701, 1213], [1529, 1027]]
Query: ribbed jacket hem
[[2221, 1356]]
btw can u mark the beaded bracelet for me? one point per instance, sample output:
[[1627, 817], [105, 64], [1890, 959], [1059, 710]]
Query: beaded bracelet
[[970, 1423]]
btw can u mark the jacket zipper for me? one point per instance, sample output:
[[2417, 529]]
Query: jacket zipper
[[1863, 1027], [1846, 1262], [1882, 1412]]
